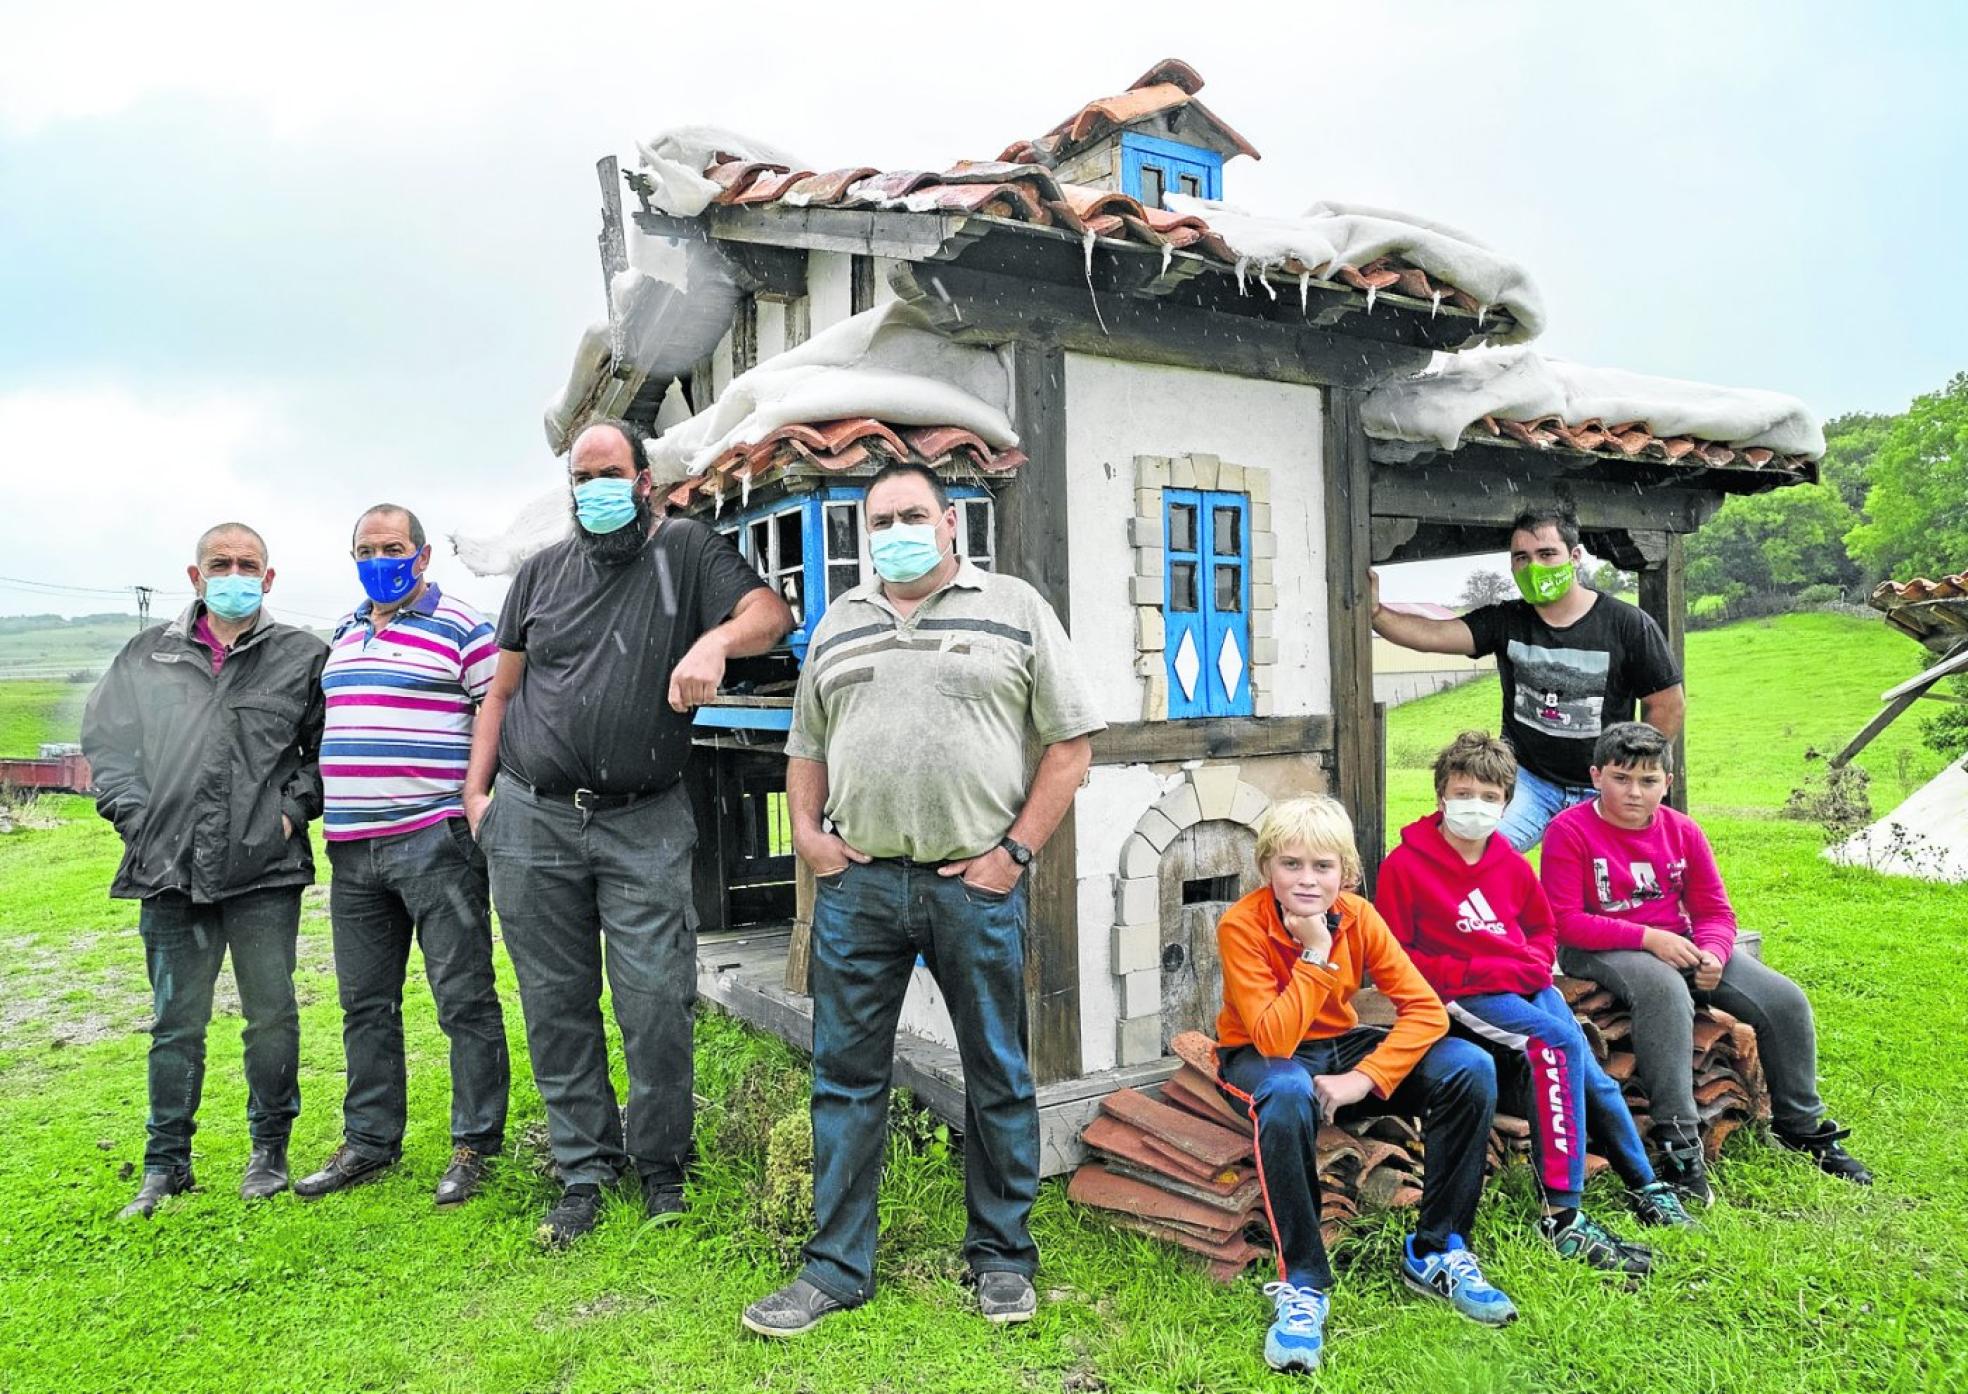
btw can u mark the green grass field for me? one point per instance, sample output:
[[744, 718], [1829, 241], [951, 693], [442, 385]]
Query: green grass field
[[32, 712], [1796, 1283], [41, 646]]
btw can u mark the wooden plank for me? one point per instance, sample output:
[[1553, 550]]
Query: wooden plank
[[1436, 493], [1351, 496], [613, 245], [870, 232], [981, 307], [1031, 531], [799, 946], [1664, 596], [1886, 717], [1217, 737]]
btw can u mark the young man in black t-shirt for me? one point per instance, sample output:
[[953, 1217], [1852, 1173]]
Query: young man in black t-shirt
[[1572, 662], [606, 643]]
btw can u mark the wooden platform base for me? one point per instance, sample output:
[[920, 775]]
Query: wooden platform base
[[744, 973]]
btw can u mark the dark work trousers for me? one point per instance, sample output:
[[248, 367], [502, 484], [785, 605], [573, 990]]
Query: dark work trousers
[[571, 886], [431, 884], [1452, 1090], [869, 924], [184, 944], [1663, 1005]]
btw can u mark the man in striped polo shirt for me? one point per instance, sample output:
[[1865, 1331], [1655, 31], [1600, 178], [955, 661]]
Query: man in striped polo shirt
[[405, 675]]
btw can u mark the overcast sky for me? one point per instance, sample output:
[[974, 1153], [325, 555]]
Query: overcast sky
[[281, 263]]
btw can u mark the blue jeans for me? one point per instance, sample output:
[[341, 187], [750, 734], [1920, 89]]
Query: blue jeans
[[869, 924], [1570, 1098], [430, 884], [184, 944], [1534, 804], [1452, 1089]]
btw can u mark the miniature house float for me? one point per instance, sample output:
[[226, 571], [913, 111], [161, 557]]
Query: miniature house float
[[1191, 428]]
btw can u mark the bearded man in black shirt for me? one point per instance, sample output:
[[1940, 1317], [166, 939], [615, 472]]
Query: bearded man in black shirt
[[1572, 662], [607, 641]]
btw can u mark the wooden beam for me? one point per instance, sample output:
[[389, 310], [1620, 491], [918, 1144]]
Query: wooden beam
[[1358, 775], [982, 307], [1216, 738], [1664, 596], [613, 245], [1466, 497], [768, 273], [868, 231], [1031, 530]]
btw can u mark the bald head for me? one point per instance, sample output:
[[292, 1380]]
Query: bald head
[[606, 448], [229, 539]]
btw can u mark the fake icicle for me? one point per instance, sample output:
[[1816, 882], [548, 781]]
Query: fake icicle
[[1242, 262], [1434, 303], [717, 500], [1265, 281], [1305, 292], [1168, 255], [1087, 242], [745, 489], [1372, 291]]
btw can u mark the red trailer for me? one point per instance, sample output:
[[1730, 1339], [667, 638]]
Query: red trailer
[[64, 774]]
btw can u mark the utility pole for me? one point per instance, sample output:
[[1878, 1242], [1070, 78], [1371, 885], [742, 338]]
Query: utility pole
[[143, 606]]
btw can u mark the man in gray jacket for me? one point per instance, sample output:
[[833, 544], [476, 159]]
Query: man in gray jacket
[[205, 739]]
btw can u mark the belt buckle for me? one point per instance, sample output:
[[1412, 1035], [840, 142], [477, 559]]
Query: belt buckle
[[581, 797]]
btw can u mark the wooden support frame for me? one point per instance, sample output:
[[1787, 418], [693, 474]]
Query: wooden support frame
[[1664, 596], [1032, 521], [1358, 775], [1212, 738]]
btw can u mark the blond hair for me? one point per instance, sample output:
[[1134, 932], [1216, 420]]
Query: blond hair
[[1314, 823], [1478, 755]]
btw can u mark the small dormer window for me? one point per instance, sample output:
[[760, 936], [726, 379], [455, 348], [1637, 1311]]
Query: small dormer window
[[1152, 167]]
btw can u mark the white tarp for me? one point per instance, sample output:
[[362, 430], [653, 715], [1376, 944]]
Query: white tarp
[[1925, 837], [1518, 384], [882, 363], [675, 162], [1330, 235]]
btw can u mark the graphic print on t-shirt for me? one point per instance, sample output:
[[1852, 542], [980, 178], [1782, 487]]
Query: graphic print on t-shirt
[[1560, 692], [1474, 915], [1646, 885]]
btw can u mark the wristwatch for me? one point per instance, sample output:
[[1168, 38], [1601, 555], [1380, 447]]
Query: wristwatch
[[1307, 956], [1017, 850]]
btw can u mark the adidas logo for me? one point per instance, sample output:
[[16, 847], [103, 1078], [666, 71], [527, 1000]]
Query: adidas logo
[[1474, 915]]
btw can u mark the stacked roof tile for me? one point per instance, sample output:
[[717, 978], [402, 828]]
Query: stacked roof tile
[[840, 446], [1168, 86], [1632, 440], [1179, 1163], [1934, 612]]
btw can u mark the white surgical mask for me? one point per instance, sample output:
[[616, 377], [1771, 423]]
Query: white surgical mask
[[1472, 820]]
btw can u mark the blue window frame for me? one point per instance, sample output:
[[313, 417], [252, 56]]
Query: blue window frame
[[1151, 167], [1206, 602]]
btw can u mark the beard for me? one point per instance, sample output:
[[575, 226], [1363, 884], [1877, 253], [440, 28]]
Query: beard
[[620, 547]]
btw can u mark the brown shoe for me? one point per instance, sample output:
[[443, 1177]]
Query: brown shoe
[[346, 1168], [463, 1177]]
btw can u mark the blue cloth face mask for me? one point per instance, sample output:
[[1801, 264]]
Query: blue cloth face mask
[[232, 597], [905, 552], [605, 505], [387, 580]]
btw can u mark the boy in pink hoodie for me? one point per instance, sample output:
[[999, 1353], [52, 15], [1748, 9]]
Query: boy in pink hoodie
[[1642, 911], [1468, 909]]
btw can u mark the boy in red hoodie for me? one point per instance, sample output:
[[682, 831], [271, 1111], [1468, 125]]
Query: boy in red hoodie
[[1468, 909], [1642, 911]]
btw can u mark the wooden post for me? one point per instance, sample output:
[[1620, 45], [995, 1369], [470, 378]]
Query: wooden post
[[1031, 530], [1357, 774], [614, 247], [1664, 596]]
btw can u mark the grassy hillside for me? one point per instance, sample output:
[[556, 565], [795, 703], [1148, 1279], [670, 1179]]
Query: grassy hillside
[[46, 646], [33, 712]]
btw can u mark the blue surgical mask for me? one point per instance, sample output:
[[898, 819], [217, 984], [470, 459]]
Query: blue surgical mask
[[905, 552], [387, 580], [232, 597], [605, 505]]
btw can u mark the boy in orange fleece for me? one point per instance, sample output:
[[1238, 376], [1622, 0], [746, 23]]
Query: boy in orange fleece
[[1293, 1052]]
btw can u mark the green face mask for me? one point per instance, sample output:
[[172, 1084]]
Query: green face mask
[[1541, 584]]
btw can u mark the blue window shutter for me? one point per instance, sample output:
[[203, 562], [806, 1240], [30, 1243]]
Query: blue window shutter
[[1226, 667], [1175, 160], [1182, 617]]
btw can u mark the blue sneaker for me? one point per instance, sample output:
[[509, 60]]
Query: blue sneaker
[[1453, 1276], [1298, 1335]]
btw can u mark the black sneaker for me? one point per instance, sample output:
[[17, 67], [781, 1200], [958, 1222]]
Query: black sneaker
[[1585, 1239], [1822, 1147], [662, 1199], [1658, 1204], [1681, 1166], [346, 1168], [1004, 1298], [794, 1310], [578, 1211]]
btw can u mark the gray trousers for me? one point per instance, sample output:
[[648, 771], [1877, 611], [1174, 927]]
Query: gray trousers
[[1663, 1003], [577, 891]]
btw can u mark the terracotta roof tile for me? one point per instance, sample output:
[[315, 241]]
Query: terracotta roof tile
[[1934, 612], [838, 446], [1629, 440]]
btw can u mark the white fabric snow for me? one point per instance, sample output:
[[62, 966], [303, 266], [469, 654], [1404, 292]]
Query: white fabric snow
[[675, 161], [1925, 837], [1330, 235], [1518, 384], [882, 363], [543, 522]]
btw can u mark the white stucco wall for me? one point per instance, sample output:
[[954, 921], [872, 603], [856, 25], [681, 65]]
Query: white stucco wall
[[771, 329], [1116, 411], [830, 285]]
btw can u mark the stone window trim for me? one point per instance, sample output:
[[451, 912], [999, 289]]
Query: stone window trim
[[1206, 793], [1152, 474]]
